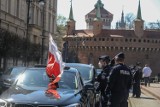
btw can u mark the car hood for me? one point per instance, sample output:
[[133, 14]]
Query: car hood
[[18, 95]]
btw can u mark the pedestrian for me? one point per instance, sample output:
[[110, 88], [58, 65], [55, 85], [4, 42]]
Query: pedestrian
[[102, 78], [120, 81], [146, 74], [137, 76]]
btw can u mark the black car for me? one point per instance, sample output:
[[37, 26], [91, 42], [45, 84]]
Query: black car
[[89, 74], [29, 90], [9, 76]]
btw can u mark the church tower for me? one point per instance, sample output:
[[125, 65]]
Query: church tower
[[121, 24], [139, 23], [70, 22], [106, 16], [97, 22]]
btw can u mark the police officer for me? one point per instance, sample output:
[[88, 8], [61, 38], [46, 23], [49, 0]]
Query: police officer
[[137, 76], [102, 78], [120, 80]]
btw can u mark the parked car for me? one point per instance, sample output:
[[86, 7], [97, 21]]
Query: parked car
[[8, 77], [89, 75], [29, 90]]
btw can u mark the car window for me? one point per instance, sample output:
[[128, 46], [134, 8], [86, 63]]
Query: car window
[[34, 78], [68, 80], [14, 71], [86, 72], [39, 78]]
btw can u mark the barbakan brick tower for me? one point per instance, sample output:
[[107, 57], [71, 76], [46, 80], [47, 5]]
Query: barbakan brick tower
[[139, 45]]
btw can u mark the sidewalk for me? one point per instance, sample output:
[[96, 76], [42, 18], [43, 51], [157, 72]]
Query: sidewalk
[[150, 97], [154, 90], [143, 101]]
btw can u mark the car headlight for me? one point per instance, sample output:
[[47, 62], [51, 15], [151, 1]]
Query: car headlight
[[3, 103], [74, 105]]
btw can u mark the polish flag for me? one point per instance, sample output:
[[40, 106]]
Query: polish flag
[[54, 67], [55, 64]]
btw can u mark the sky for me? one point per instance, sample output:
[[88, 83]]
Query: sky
[[150, 9]]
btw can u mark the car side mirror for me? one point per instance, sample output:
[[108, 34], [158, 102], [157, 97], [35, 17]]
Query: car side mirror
[[1, 73], [89, 86]]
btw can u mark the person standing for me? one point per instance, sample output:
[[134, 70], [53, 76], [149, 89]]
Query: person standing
[[102, 78], [120, 81], [146, 74], [137, 76]]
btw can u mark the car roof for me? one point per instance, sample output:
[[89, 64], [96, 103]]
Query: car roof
[[70, 69], [78, 64]]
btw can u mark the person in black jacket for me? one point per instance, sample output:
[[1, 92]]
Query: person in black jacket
[[120, 81], [137, 76], [102, 78]]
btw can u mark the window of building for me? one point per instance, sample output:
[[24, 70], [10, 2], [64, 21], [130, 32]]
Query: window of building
[[95, 39], [144, 40], [103, 39], [148, 41], [49, 21], [112, 39], [126, 40], [134, 40], [139, 40], [9, 6], [17, 8], [35, 38]]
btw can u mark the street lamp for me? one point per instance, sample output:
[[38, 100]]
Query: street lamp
[[27, 34], [42, 3]]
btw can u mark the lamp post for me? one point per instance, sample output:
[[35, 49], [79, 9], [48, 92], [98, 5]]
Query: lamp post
[[42, 3], [27, 30]]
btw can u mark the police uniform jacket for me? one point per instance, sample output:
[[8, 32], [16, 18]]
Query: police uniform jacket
[[102, 78], [120, 79]]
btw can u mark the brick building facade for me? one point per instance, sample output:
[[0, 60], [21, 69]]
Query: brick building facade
[[139, 45]]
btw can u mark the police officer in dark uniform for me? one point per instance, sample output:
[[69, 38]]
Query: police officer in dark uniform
[[102, 78], [120, 81], [137, 76]]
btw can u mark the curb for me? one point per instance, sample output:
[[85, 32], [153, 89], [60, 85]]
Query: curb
[[153, 94]]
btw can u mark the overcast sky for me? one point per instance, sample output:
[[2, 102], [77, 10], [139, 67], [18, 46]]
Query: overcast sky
[[150, 9]]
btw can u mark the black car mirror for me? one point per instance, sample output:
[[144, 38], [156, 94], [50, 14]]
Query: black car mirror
[[1, 73], [89, 86]]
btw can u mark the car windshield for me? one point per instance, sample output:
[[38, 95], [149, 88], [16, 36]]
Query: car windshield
[[85, 72], [38, 78], [14, 71]]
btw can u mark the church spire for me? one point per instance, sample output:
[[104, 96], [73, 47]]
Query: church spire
[[139, 12], [122, 17], [98, 6], [71, 12]]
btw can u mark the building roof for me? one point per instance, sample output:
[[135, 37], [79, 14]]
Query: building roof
[[155, 34], [104, 13]]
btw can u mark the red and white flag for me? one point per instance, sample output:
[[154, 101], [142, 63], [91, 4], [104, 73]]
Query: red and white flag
[[55, 64], [54, 67]]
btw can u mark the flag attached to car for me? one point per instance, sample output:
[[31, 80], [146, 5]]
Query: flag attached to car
[[54, 67]]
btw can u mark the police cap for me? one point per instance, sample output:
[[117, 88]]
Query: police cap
[[104, 58], [120, 55]]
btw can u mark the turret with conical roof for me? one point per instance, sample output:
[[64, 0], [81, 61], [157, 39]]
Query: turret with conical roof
[[139, 23], [99, 13], [97, 22], [70, 22]]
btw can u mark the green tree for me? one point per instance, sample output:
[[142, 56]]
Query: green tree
[[61, 31], [129, 18]]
